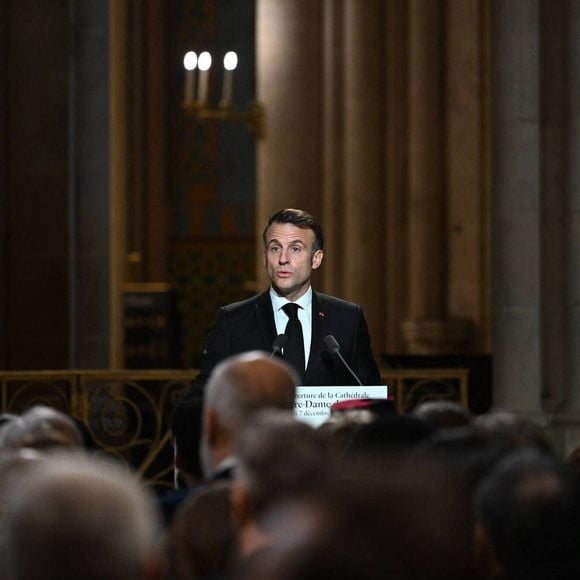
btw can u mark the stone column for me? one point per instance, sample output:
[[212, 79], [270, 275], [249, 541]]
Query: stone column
[[428, 330], [289, 86], [333, 146], [396, 153], [515, 217], [364, 162]]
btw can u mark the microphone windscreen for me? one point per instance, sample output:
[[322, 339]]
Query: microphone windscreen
[[331, 344]]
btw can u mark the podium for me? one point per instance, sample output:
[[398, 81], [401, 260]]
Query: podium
[[312, 403]]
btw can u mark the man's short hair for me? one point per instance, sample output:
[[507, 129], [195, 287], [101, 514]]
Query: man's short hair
[[280, 457], [243, 384], [300, 219], [529, 506]]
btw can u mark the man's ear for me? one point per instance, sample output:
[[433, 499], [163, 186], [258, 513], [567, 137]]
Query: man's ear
[[240, 503], [317, 259], [211, 426]]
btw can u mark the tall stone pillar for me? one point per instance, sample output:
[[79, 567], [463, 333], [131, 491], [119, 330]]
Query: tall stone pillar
[[54, 300], [516, 187], [428, 330], [333, 146], [364, 163], [289, 86]]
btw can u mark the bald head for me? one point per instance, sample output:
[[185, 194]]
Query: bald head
[[250, 382], [237, 388]]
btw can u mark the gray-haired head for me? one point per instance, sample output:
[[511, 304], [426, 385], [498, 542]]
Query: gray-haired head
[[243, 384], [238, 387], [79, 517], [41, 427]]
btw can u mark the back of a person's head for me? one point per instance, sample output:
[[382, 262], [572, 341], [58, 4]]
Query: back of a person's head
[[385, 521], [512, 430], [463, 452], [339, 429], [529, 507], [443, 414], [79, 517], [16, 465], [41, 428], [278, 457], [392, 436], [243, 384], [202, 537]]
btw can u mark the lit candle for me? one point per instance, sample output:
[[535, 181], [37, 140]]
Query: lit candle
[[190, 64], [204, 64], [230, 64]]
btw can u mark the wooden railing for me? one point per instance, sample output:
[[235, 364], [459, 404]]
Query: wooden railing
[[127, 412]]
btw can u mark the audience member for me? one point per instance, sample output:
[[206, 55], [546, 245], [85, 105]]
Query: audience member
[[383, 522], [278, 457], [513, 430], [15, 466], [77, 517], [528, 512], [186, 435], [6, 418], [393, 437], [238, 387], [340, 427], [443, 414], [464, 452], [42, 428], [202, 537]]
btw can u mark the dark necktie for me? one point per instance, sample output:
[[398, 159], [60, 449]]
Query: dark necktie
[[294, 349]]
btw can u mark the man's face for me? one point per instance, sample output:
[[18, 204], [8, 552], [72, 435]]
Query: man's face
[[289, 259]]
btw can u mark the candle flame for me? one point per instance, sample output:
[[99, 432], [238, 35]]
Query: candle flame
[[230, 60], [190, 60], [204, 61]]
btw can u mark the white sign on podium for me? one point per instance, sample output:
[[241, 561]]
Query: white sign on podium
[[312, 404]]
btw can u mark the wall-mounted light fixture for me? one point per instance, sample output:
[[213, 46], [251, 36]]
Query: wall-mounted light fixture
[[196, 93]]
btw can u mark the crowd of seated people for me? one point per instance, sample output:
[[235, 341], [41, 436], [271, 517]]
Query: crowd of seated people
[[433, 494]]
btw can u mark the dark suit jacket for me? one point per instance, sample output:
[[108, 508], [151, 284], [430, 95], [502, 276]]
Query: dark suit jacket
[[249, 325]]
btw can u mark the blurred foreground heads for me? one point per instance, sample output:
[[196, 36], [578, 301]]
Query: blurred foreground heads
[[385, 522], [76, 517], [278, 458], [528, 517]]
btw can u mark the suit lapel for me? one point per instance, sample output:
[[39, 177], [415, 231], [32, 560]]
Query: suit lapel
[[319, 331], [265, 319]]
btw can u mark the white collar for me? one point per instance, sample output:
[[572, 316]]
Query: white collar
[[305, 301]]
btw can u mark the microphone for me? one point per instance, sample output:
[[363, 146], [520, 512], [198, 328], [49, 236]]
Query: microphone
[[278, 344], [333, 347]]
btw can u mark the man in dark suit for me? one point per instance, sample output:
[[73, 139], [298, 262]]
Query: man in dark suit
[[293, 248]]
